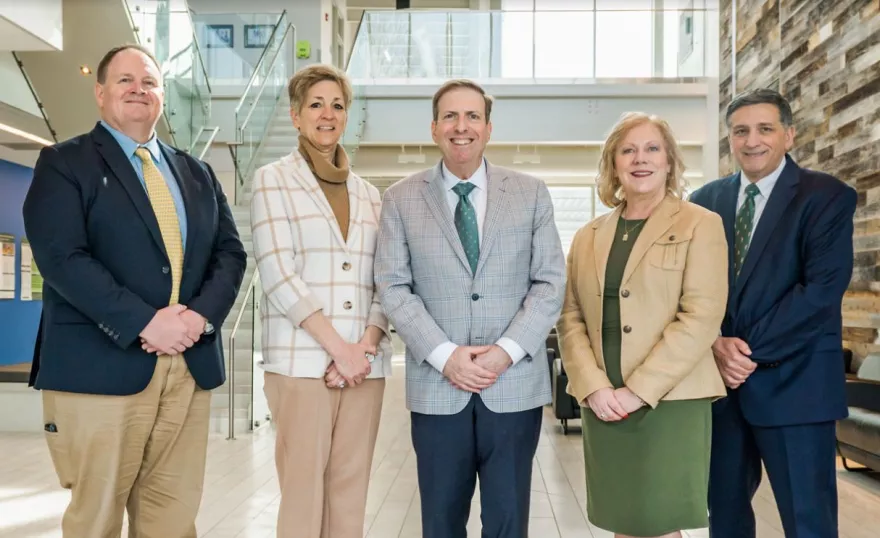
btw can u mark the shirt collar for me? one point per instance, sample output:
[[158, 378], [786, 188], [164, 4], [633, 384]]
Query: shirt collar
[[765, 185], [129, 146], [478, 180]]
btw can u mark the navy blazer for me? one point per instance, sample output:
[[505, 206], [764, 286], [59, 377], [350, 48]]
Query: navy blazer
[[97, 244], [786, 303]]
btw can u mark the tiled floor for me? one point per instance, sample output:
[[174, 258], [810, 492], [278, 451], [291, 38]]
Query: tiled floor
[[241, 492]]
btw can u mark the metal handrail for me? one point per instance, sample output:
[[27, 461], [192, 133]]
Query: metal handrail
[[210, 141], [231, 379], [263, 85], [259, 62], [36, 97]]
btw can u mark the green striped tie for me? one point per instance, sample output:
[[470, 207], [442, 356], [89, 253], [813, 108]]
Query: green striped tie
[[744, 222], [466, 224]]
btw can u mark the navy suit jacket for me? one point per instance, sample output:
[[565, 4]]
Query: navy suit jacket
[[786, 302], [97, 244]]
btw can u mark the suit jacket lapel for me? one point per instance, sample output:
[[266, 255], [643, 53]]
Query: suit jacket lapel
[[727, 211], [602, 240], [496, 207], [309, 183], [125, 173], [188, 187], [355, 190], [654, 228], [780, 198], [435, 197]]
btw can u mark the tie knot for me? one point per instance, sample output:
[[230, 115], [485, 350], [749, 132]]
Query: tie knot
[[143, 154], [752, 190], [463, 188]]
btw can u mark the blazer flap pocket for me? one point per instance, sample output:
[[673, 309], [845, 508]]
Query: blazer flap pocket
[[675, 237], [670, 250]]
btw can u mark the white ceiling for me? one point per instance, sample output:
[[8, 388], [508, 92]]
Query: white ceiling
[[14, 37]]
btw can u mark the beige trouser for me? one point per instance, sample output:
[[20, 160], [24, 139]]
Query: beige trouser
[[323, 453], [144, 452]]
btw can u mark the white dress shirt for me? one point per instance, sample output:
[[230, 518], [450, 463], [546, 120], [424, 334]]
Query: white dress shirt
[[479, 198], [765, 186]]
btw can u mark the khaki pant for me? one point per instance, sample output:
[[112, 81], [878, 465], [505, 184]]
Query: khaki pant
[[144, 453], [323, 452]]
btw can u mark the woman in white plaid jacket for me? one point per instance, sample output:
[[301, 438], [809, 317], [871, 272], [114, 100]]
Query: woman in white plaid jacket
[[325, 343]]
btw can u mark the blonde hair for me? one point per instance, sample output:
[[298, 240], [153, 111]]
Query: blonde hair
[[302, 81], [461, 83], [608, 185]]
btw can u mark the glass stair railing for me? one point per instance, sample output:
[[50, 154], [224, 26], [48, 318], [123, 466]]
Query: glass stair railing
[[166, 28], [587, 44], [257, 107]]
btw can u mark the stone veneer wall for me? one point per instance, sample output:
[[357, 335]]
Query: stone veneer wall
[[824, 57]]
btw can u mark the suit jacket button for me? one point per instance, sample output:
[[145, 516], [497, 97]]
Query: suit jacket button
[[627, 329], [475, 297], [672, 238], [346, 266], [624, 294], [346, 305], [166, 270]]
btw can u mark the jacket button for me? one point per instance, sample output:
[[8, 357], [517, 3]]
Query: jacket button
[[166, 270], [672, 238], [346, 266], [627, 329], [624, 294], [346, 305], [475, 297]]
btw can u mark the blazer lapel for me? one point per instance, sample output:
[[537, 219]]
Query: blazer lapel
[[188, 187], [435, 197], [727, 211], [309, 183], [355, 195], [125, 173], [654, 228], [496, 207], [780, 198], [602, 239]]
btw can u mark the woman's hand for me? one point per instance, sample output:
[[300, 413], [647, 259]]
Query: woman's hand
[[605, 405], [628, 400], [351, 362]]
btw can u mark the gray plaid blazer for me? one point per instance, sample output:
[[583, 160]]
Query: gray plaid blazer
[[429, 294]]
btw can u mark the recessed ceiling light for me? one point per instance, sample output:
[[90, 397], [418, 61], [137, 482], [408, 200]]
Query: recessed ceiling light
[[85, 70]]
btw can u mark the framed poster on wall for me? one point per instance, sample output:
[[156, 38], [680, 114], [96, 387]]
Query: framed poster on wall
[[256, 36], [219, 36]]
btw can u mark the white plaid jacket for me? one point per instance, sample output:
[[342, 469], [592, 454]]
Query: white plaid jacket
[[305, 266]]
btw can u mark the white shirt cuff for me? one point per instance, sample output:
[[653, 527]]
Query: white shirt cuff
[[512, 348], [440, 355]]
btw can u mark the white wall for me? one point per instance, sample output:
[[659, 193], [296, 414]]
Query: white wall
[[39, 19], [15, 91]]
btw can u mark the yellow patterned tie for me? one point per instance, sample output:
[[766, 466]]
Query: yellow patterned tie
[[166, 215]]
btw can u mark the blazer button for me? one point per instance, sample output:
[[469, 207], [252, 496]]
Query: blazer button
[[475, 297], [166, 270], [627, 329], [346, 266], [346, 305], [624, 294]]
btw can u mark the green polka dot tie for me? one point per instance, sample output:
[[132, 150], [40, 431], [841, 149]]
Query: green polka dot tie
[[744, 222], [466, 224]]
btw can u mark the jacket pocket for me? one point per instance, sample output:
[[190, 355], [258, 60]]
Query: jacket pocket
[[670, 252]]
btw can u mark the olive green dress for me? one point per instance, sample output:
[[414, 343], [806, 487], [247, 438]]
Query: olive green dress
[[648, 474]]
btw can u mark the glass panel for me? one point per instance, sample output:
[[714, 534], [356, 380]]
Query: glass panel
[[260, 414], [516, 44], [624, 44], [256, 109], [166, 28], [231, 56], [564, 45]]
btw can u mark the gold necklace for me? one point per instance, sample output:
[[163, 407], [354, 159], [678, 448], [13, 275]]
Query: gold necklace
[[626, 230]]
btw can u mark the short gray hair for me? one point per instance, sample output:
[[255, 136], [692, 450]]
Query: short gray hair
[[761, 96]]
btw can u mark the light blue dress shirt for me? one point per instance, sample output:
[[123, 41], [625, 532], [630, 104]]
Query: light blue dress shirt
[[129, 147]]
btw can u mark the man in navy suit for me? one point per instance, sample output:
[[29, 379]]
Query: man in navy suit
[[789, 232], [141, 263]]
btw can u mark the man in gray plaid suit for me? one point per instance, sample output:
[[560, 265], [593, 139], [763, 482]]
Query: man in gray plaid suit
[[471, 273]]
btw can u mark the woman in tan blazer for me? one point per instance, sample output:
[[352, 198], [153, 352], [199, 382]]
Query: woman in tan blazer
[[643, 305], [325, 343]]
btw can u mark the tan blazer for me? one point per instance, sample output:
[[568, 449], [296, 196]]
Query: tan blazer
[[673, 298]]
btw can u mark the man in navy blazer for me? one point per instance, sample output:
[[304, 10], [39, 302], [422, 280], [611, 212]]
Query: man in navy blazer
[[125, 358], [789, 232]]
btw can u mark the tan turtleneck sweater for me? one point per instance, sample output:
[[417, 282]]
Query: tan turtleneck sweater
[[332, 176]]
